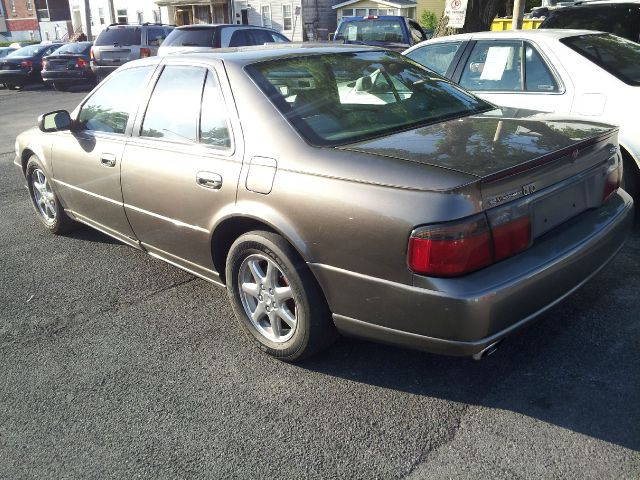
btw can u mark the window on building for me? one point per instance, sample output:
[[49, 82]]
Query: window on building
[[12, 5], [347, 12], [266, 15], [122, 15], [29, 4], [101, 15], [361, 12], [287, 18]]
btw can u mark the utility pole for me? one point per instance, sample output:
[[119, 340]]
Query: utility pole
[[518, 14], [112, 11], [87, 18]]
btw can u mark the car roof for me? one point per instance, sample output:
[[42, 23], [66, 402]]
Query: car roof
[[601, 2], [551, 33], [258, 53], [207, 26]]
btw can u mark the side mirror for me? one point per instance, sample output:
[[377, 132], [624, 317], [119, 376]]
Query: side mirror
[[364, 84], [55, 121]]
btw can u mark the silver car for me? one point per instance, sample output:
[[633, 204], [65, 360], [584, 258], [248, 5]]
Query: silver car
[[120, 43], [336, 189], [203, 38]]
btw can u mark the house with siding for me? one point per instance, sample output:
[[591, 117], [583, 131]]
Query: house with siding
[[284, 16], [18, 21], [362, 8]]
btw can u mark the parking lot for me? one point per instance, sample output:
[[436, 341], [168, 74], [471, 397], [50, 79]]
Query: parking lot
[[117, 365]]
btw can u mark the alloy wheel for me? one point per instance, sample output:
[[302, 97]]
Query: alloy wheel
[[43, 196], [267, 298]]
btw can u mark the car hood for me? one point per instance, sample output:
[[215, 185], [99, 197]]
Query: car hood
[[484, 144]]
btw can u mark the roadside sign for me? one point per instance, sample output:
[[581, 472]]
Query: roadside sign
[[456, 10]]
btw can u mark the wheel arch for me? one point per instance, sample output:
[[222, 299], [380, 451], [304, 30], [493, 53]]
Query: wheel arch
[[233, 226]]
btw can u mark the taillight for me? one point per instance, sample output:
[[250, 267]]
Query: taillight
[[26, 64], [457, 248], [613, 179], [145, 52], [81, 63], [92, 55], [451, 249], [511, 229], [370, 17]]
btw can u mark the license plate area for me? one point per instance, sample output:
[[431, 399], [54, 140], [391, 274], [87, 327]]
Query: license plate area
[[552, 210], [115, 56]]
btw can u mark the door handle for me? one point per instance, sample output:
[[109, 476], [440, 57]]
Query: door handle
[[108, 160], [209, 180]]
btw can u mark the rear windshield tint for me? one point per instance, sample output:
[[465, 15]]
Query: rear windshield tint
[[192, 37], [74, 49], [388, 31], [341, 98], [119, 36], [28, 51], [616, 55], [621, 20]]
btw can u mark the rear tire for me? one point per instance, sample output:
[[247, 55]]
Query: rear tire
[[13, 86], [276, 299], [45, 202], [60, 87]]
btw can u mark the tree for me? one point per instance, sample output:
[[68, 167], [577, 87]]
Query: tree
[[480, 14]]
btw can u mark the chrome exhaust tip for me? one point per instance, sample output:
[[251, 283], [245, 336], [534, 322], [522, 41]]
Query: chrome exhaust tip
[[485, 352]]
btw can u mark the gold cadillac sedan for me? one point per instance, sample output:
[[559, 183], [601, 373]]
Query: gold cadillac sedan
[[336, 189]]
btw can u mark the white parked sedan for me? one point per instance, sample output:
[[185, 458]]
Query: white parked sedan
[[569, 72]]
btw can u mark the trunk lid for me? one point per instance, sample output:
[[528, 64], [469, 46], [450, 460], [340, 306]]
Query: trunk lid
[[511, 154], [62, 62]]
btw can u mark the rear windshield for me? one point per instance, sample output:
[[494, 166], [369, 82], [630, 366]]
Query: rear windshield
[[193, 37], [621, 20], [27, 51], [616, 55], [386, 31], [74, 49], [119, 36], [341, 98]]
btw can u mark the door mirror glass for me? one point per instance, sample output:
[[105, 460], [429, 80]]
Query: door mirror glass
[[55, 121]]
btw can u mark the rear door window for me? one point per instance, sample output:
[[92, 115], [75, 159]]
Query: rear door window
[[537, 76], [494, 66], [174, 107], [214, 127], [437, 56]]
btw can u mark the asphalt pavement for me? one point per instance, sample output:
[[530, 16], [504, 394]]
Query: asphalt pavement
[[117, 365]]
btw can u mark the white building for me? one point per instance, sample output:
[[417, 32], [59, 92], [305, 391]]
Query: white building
[[281, 15], [124, 11]]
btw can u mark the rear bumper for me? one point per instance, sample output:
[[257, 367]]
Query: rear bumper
[[67, 76], [17, 76], [101, 71], [462, 316]]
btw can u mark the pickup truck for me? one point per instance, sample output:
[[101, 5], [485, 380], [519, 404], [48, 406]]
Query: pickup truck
[[396, 33]]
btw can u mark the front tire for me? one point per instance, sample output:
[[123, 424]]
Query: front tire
[[45, 202], [60, 87], [275, 297]]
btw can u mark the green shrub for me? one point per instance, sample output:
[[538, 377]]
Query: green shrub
[[428, 20]]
